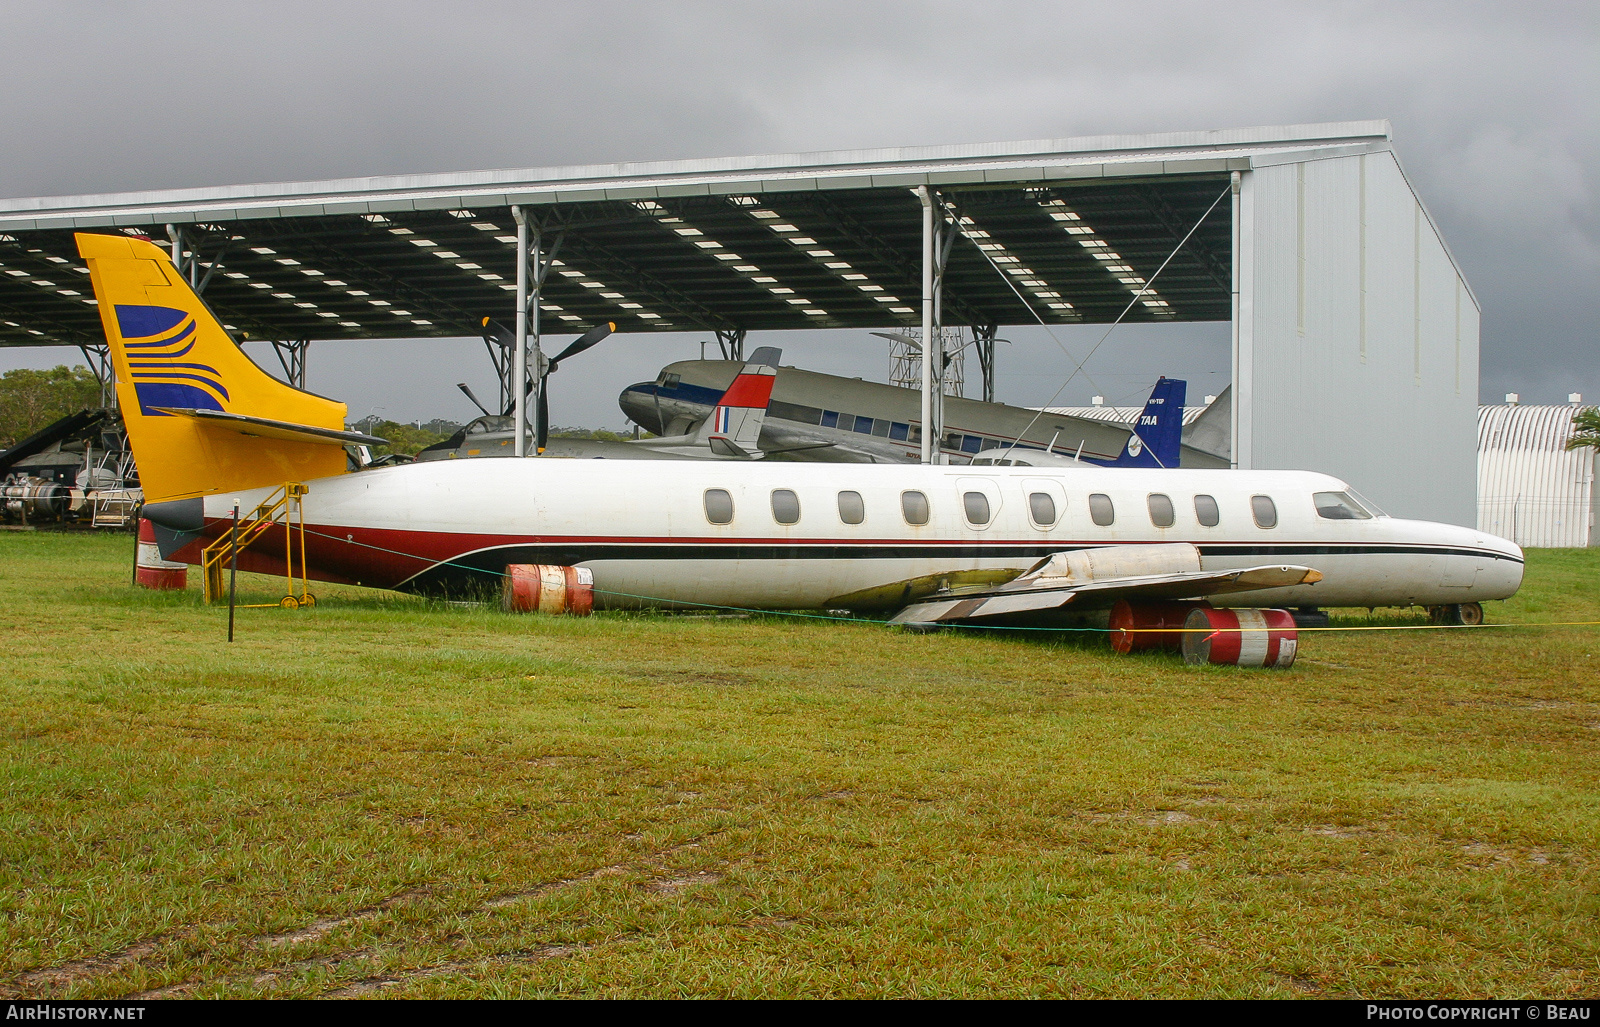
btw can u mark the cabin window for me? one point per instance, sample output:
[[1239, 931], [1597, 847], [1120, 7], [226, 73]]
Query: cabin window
[[976, 505], [1161, 513], [899, 432], [1265, 511], [915, 507], [830, 418], [785, 506], [1339, 506], [1206, 512], [1100, 509], [794, 412], [851, 509], [719, 506], [863, 425], [971, 444], [1042, 508]]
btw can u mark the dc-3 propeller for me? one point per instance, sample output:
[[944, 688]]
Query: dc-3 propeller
[[497, 334]]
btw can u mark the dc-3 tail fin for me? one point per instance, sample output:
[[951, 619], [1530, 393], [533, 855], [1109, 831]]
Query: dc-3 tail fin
[[735, 424], [201, 416], [1157, 437]]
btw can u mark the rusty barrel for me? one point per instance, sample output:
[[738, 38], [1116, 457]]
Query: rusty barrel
[[1139, 626], [547, 588], [151, 570], [1241, 638]]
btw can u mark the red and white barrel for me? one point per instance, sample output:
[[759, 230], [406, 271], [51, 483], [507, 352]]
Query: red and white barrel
[[547, 588], [151, 570], [1139, 626], [1241, 638]]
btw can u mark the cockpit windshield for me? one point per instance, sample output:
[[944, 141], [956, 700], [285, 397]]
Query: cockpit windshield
[[1340, 506]]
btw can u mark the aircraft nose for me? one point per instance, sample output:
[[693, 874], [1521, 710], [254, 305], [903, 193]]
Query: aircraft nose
[[635, 403], [1502, 546]]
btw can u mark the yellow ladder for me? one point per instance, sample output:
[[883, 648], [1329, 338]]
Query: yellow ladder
[[285, 501]]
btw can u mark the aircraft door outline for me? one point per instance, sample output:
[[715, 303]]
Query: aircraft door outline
[[990, 490], [1057, 494]]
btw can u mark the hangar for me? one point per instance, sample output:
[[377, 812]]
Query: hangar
[[1355, 336]]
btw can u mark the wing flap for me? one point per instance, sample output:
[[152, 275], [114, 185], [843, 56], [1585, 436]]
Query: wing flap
[[261, 427]]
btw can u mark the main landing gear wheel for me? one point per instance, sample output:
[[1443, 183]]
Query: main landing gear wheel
[[1457, 613]]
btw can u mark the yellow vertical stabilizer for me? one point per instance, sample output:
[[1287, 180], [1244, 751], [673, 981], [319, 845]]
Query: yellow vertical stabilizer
[[180, 377]]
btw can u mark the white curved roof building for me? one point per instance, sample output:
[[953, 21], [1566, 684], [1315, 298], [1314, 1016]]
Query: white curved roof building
[[1531, 489]]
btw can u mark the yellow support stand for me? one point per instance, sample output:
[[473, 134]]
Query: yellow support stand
[[285, 501]]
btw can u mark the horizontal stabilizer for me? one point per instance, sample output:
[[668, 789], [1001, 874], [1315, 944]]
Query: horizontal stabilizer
[[261, 427], [1033, 595]]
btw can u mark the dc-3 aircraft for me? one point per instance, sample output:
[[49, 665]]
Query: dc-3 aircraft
[[850, 420], [730, 431], [931, 544]]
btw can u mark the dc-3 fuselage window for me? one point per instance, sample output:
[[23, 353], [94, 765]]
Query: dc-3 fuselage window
[[1161, 512], [976, 505], [1100, 509], [915, 507], [1206, 512], [1042, 507], [1339, 506], [1265, 511], [851, 509], [785, 506], [719, 506]]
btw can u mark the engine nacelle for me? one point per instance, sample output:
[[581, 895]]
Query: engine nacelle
[[1136, 561], [33, 499]]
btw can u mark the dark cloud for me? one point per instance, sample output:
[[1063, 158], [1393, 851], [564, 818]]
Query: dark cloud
[[1493, 108]]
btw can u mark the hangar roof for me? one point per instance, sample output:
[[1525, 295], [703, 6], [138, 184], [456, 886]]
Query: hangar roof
[[825, 240]]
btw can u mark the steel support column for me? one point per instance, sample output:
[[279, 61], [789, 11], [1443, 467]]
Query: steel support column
[[175, 234], [930, 430], [519, 360], [731, 342], [98, 355], [1243, 316], [292, 357], [534, 252], [186, 258]]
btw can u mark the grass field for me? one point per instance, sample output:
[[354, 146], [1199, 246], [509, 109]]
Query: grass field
[[386, 797]]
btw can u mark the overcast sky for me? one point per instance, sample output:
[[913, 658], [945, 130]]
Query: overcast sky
[[1496, 112]]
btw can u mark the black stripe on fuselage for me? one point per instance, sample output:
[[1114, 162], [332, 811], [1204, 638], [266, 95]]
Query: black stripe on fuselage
[[474, 567]]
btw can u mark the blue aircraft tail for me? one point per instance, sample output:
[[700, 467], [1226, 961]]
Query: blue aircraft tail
[[1157, 436]]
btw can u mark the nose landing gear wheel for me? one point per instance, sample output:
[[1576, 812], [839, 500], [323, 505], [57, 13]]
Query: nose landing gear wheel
[[1456, 613]]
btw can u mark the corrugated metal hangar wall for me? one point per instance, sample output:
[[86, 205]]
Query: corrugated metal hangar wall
[[1531, 488], [1356, 338]]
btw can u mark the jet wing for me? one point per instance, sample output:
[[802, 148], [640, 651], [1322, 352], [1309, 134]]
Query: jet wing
[[1085, 578], [1022, 597]]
